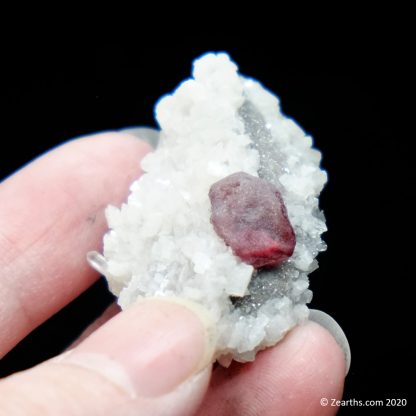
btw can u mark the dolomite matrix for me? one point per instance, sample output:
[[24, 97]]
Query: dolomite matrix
[[244, 257]]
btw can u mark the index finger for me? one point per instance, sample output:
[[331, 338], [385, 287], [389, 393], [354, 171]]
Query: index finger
[[51, 214]]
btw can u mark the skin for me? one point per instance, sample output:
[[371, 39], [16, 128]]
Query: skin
[[51, 214]]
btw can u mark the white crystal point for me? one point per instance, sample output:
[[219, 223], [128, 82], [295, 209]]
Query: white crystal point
[[161, 242], [97, 262]]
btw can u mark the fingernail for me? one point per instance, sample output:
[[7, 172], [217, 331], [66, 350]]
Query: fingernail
[[158, 343], [332, 326], [147, 134]]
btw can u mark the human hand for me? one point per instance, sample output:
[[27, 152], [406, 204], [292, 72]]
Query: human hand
[[153, 359]]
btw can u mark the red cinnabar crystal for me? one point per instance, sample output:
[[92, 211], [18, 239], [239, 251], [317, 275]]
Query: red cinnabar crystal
[[249, 214]]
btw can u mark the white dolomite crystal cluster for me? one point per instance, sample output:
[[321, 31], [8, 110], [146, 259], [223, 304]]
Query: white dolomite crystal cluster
[[162, 242]]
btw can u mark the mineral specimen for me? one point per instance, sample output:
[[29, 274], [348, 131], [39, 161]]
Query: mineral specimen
[[250, 215], [162, 242]]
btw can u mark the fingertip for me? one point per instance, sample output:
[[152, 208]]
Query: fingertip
[[293, 376], [160, 342], [320, 352], [107, 142], [152, 359], [332, 326], [311, 366]]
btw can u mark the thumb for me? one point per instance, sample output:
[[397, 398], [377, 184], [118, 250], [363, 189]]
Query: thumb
[[153, 359]]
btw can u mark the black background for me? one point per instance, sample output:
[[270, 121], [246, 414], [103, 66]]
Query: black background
[[364, 278]]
